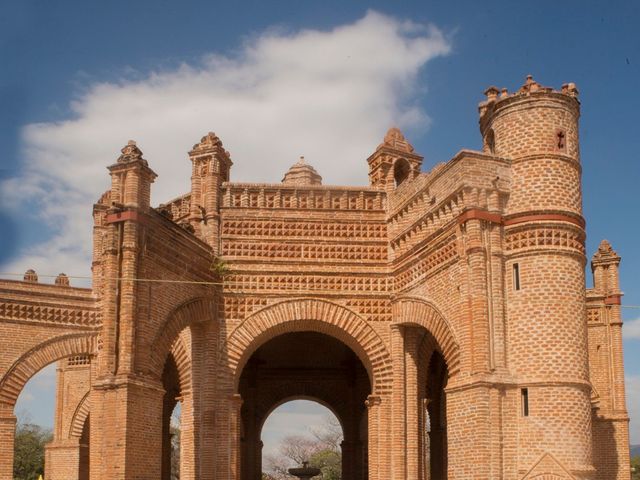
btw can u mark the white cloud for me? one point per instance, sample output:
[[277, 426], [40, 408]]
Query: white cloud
[[328, 95], [631, 329], [632, 383]]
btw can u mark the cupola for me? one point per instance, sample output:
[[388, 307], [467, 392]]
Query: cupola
[[301, 173]]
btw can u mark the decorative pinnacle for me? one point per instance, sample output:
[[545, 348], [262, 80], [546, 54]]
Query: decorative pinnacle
[[130, 153], [395, 139], [208, 143], [605, 254]]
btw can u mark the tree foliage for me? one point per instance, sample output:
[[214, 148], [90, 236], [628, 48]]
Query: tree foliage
[[30, 440], [321, 449], [635, 464]]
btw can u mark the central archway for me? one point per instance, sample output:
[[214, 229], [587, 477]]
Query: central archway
[[315, 315], [310, 365]]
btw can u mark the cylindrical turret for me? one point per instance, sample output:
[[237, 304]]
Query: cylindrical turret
[[537, 129]]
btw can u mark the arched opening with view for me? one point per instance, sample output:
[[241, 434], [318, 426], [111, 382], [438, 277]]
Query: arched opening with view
[[171, 410], [401, 171], [67, 362], [301, 430], [425, 378], [305, 365]]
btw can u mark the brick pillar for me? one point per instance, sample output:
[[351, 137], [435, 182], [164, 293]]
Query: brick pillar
[[346, 447], [478, 295], [374, 443], [398, 410], [126, 422], [62, 459], [187, 440], [7, 436], [235, 405], [411, 389]]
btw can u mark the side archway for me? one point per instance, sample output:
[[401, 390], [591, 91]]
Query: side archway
[[80, 416], [194, 311], [39, 357], [420, 312], [315, 315]]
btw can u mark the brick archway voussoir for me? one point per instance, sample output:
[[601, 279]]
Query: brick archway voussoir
[[39, 357], [309, 314], [80, 416], [196, 310], [420, 312]]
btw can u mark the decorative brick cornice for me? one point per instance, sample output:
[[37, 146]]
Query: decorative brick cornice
[[126, 215], [614, 299]]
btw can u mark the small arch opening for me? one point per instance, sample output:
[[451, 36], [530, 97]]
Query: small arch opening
[[171, 421], [401, 171]]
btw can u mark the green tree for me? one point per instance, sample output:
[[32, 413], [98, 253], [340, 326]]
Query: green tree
[[635, 467], [329, 462], [322, 450], [28, 461]]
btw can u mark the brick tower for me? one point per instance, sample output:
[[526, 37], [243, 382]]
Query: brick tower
[[537, 128]]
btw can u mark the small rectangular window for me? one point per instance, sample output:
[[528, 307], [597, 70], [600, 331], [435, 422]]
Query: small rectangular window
[[516, 276], [525, 402]]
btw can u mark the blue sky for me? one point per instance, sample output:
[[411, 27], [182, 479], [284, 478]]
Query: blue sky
[[80, 78]]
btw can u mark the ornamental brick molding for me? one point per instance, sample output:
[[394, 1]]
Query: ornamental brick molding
[[442, 315]]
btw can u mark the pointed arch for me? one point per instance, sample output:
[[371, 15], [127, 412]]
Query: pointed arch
[[39, 357], [409, 310], [309, 314]]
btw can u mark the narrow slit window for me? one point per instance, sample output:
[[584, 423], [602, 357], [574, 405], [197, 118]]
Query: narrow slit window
[[525, 402], [516, 276]]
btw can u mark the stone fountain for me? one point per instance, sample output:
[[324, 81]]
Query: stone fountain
[[305, 472]]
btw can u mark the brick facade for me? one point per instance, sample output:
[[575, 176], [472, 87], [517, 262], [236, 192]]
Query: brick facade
[[443, 316]]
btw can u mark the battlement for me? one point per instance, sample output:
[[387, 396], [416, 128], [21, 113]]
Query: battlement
[[496, 97]]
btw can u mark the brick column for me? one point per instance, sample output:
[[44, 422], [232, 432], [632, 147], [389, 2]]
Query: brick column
[[126, 429], [235, 405], [7, 436], [411, 389], [187, 440], [398, 402], [347, 450], [373, 411], [62, 459], [478, 295]]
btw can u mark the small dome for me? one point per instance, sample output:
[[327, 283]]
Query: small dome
[[301, 173]]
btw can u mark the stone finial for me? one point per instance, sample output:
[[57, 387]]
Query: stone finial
[[301, 173], [31, 276], [395, 139], [492, 93], [210, 140], [208, 144], [62, 280], [605, 254], [131, 153], [570, 89]]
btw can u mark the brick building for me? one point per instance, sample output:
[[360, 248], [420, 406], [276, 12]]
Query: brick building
[[442, 316]]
